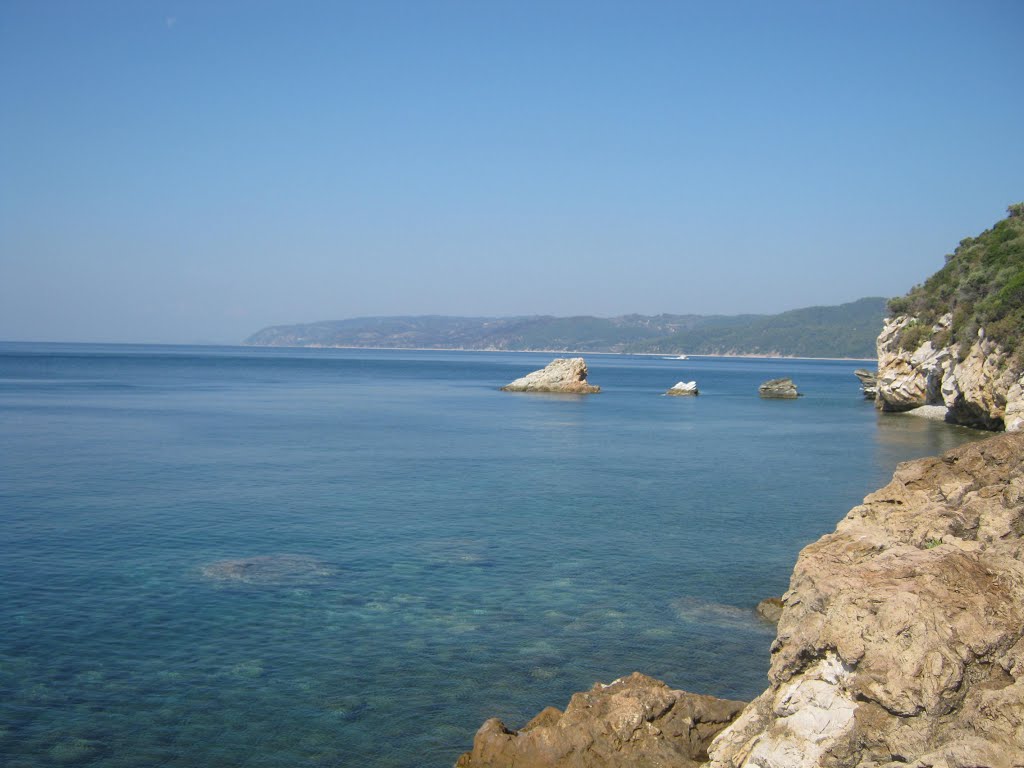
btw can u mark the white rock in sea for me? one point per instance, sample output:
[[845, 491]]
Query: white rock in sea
[[684, 388], [567, 375]]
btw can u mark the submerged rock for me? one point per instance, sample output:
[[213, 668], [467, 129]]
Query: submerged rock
[[269, 570], [781, 389], [694, 610], [568, 375], [684, 389], [901, 641], [635, 721], [868, 382], [770, 609]]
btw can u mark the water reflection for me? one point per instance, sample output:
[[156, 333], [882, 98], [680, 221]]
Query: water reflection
[[904, 436]]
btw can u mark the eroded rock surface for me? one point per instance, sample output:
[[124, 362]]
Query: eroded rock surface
[[982, 387], [635, 721], [901, 640], [782, 389], [568, 375]]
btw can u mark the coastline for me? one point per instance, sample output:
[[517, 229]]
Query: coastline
[[897, 643], [574, 352], [571, 352]]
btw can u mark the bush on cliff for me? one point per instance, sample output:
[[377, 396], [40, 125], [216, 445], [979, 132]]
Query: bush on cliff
[[981, 285]]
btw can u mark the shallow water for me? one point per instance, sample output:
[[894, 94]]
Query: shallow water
[[257, 557]]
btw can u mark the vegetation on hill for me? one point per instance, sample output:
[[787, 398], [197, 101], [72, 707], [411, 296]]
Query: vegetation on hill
[[848, 330], [982, 285]]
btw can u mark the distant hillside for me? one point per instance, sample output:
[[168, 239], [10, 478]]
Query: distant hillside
[[848, 330]]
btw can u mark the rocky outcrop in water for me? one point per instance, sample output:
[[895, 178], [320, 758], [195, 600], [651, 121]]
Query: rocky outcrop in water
[[780, 389], [565, 375], [983, 387], [684, 389], [635, 722], [901, 640], [868, 382]]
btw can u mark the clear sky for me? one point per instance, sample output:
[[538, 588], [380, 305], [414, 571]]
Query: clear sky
[[193, 171]]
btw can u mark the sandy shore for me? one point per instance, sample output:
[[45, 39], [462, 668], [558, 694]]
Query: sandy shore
[[934, 412]]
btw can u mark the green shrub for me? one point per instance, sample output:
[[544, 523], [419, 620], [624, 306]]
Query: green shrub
[[914, 335], [982, 284], [899, 305]]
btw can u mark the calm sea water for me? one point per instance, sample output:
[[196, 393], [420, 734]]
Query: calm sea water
[[253, 557]]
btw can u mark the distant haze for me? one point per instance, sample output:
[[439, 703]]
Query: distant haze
[[193, 171]]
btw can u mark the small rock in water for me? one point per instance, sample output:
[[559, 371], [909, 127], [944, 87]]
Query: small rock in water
[[868, 382], [780, 389], [269, 570], [684, 389], [697, 611], [770, 609], [566, 375]]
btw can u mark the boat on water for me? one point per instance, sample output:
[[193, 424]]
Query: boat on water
[[678, 357]]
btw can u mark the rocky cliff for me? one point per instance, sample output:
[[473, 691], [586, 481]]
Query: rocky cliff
[[900, 644], [957, 340], [901, 640], [982, 387]]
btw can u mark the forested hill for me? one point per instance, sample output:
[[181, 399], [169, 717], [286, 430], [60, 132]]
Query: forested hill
[[847, 330]]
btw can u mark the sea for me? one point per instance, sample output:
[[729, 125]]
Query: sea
[[234, 556]]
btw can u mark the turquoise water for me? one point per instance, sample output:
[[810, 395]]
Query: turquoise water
[[255, 557]]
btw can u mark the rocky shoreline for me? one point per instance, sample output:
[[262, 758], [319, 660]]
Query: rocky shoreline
[[900, 643]]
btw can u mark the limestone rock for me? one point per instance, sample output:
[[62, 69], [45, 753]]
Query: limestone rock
[[976, 390], [683, 389], [982, 388], [909, 379], [868, 382], [901, 641], [770, 609], [783, 389], [567, 375], [1013, 416], [635, 721]]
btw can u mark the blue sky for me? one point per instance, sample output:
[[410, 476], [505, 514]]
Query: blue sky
[[194, 171]]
